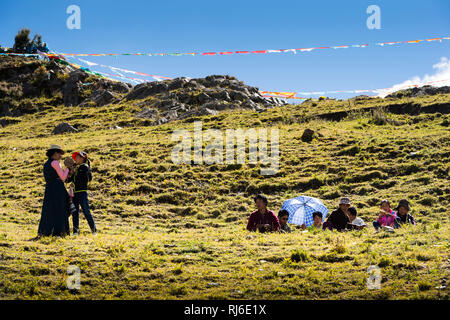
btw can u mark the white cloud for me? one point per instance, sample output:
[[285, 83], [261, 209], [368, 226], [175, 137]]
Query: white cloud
[[440, 78]]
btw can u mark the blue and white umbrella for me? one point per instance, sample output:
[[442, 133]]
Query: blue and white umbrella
[[301, 210]]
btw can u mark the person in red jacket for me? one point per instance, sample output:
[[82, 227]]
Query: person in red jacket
[[262, 219]]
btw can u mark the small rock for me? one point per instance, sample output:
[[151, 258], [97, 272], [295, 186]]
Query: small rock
[[147, 113], [213, 284], [308, 135], [63, 128]]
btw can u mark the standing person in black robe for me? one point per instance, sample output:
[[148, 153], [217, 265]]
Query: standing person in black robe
[[55, 209]]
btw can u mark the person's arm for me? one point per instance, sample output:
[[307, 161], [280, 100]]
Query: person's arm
[[380, 219], [71, 175], [413, 221], [328, 219], [390, 214], [251, 225], [61, 173], [276, 223]]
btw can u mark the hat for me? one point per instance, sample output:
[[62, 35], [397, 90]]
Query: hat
[[80, 153], [56, 147], [403, 203], [344, 200]]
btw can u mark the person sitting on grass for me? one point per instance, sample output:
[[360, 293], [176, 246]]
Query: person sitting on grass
[[355, 222], [317, 222], [283, 217], [387, 217], [402, 214], [262, 219], [338, 219], [317, 218]]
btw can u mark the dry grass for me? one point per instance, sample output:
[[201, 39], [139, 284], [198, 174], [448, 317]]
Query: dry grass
[[178, 231]]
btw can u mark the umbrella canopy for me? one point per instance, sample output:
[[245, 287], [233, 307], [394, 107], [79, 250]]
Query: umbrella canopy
[[301, 210]]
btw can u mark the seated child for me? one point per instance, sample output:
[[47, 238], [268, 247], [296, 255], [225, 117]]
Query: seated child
[[355, 222], [317, 222], [386, 218], [402, 214], [283, 217], [317, 218]]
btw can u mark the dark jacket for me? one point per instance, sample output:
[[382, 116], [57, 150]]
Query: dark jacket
[[405, 219], [338, 219], [81, 177]]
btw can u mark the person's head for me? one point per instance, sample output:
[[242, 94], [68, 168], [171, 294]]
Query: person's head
[[55, 152], [317, 218], [261, 202], [345, 203], [283, 216], [403, 207], [352, 213], [385, 205], [79, 157]]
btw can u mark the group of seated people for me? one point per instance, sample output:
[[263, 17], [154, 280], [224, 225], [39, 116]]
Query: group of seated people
[[343, 218]]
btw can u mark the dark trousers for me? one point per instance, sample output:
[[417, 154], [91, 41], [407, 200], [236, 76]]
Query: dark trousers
[[377, 225], [81, 199]]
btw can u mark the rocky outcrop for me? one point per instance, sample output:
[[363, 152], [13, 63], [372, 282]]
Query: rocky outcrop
[[99, 98], [22, 78], [168, 100], [196, 97], [419, 92], [72, 87]]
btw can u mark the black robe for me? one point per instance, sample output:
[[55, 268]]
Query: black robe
[[338, 219], [55, 209]]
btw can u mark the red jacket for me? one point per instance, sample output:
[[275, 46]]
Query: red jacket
[[267, 218]]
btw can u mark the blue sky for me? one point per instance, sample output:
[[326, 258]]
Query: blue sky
[[214, 25]]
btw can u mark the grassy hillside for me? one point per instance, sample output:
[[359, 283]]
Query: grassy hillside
[[171, 231]]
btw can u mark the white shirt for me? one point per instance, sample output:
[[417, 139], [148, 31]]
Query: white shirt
[[358, 222]]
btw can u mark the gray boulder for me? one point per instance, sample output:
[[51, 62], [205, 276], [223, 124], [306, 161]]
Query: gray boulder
[[71, 91], [100, 98], [147, 113], [63, 128], [146, 89]]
